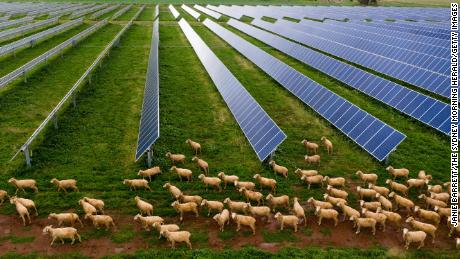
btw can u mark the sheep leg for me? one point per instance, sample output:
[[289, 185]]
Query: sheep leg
[[62, 240], [407, 244], [73, 240], [16, 191], [358, 230], [282, 225], [305, 220], [181, 216], [36, 212], [52, 241], [238, 226], [253, 230], [189, 244], [335, 222], [23, 220], [434, 236], [319, 221], [422, 243], [196, 213], [173, 244]]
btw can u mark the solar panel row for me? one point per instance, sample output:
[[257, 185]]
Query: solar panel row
[[260, 130], [390, 26], [377, 138], [190, 11], [173, 11], [8, 34], [104, 11], [207, 11], [10, 23]]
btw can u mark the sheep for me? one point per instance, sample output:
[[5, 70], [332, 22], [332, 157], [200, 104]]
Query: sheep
[[23, 184], [263, 181], [194, 145], [99, 220], [311, 146], [401, 188], [290, 220], [237, 206], [61, 234], [307, 173], [175, 192], [279, 169], [412, 237], [422, 175], [443, 196], [418, 183], [258, 211], [337, 193], [135, 183], [65, 218], [3, 196], [65, 184], [401, 201], [315, 159], [427, 215], [391, 216], [98, 204], [148, 221], [327, 214], [401, 172], [373, 205], [182, 173], [190, 198], [29, 204], [87, 207], [247, 185], [334, 200], [443, 212], [245, 221], [363, 223], [175, 157], [177, 237], [277, 201], [228, 178], [298, 210], [348, 211], [366, 193], [379, 217], [160, 228], [316, 179], [386, 204], [328, 144], [448, 185], [425, 227], [430, 202], [22, 211], [434, 188], [185, 207], [213, 181], [252, 195], [379, 189], [202, 164], [143, 206], [452, 228], [367, 178], [222, 218], [149, 172], [335, 182], [321, 204]]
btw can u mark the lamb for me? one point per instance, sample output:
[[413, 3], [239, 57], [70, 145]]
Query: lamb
[[29, 204], [65, 218], [228, 178], [182, 173], [143, 206], [401, 201], [401, 188], [148, 221], [317, 179], [22, 211], [175, 192], [434, 188], [23, 184], [328, 144], [62, 233], [425, 227], [175, 158], [315, 159], [245, 221], [279, 169], [258, 211], [213, 181], [247, 185], [177, 237], [194, 145], [363, 223], [418, 183], [103, 220], [391, 216], [430, 202], [335, 182], [373, 205], [422, 175], [299, 211], [321, 204], [3, 196], [252, 195], [386, 204], [202, 164], [149, 172], [65, 184], [401, 172], [367, 178], [267, 182], [222, 218], [306, 173], [379, 189], [185, 207], [235, 205], [379, 217], [443, 196], [310, 146], [333, 200], [87, 207], [427, 215], [213, 205], [137, 183], [190, 198], [98, 204], [443, 212], [290, 220], [169, 227], [412, 237], [337, 193], [327, 214], [277, 201], [348, 211]]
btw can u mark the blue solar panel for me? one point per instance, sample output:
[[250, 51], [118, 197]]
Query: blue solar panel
[[149, 128], [314, 95], [260, 130]]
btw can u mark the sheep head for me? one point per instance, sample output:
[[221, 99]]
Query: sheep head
[[422, 196], [269, 197], [221, 174], [277, 215], [137, 198], [203, 202], [304, 141], [168, 154], [329, 187], [233, 215], [416, 208], [174, 204], [47, 229], [138, 216], [227, 200], [392, 194], [166, 185], [272, 163], [55, 181], [323, 138], [325, 196], [242, 189], [12, 180], [361, 203], [52, 215], [256, 176], [201, 176], [359, 172], [409, 219], [325, 179], [125, 181], [388, 181], [187, 141], [363, 211], [216, 217], [377, 195], [194, 159], [390, 168], [405, 230], [317, 210]]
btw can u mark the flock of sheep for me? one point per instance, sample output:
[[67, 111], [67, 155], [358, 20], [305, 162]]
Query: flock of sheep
[[379, 205]]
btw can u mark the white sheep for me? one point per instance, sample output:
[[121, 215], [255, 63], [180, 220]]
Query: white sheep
[[425, 227], [3, 196], [402, 202], [61, 234], [391, 216], [337, 192], [289, 220], [367, 178], [371, 205], [29, 204], [316, 179], [101, 220], [65, 184], [335, 182], [175, 157], [386, 204], [69, 218], [443, 196], [177, 237], [384, 191], [379, 217], [182, 173], [235, 206], [185, 207], [348, 211], [321, 204], [252, 195], [417, 183], [299, 211], [175, 192], [23, 184], [400, 172], [148, 220], [448, 185], [334, 200], [202, 164], [222, 218], [315, 159], [434, 188], [430, 202], [327, 214], [98, 204], [265, 182], [149, 172], [366, 193], [401, 188], [328, 144], [363, 223], [22, 211], [443, 212], [413, 237], [427, 215], [213, 181], [424, 176], [194, 145], [169, 227], [258, 211], [274, 202], [190, 198], [143, 206], [311, 146], [279, 169], [228, 178], [245, 221], [247, 185], [87, 207], [137, 183]]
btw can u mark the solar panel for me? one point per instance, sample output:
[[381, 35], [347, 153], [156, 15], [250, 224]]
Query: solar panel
[[374, 136], [104, 11], [207, 11], [437, 115], [7, 24], [190, 11], [157, 11], [390, 26], [8, 34], [260, 130], [173, 10]]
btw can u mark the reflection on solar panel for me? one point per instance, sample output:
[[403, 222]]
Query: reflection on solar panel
[[173, 10], [207, 11], [149, 128], [377, 138], [260, 130], [423, 108], [190, 11]]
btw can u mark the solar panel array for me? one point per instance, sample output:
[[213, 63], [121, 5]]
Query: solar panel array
[[207, 11], [15, 22], [104, 11], [261, 131], [190, 11], [149, 127], [377, 138], [173, 11], [428, 110], [8, 34]]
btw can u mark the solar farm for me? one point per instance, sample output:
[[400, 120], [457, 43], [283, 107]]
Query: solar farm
[[225, 130]]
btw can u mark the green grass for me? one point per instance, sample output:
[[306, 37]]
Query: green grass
[[277, 236], [147, 14], [123, 235], [129, 14], [16, 239]]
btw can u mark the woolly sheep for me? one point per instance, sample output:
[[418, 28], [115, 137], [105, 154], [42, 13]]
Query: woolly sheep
[[401, 172], [252, 195], [279, 169], [101, 220], [245, 221], [213, 181], [348, 211], [61, 234], [228, 178], [65, 184], [267, 182], [336, 192], [235, 206], [327, 214], [427, 215], [182, 173], [443, 196], [212, 206], [386, 204], [413, 237], [3, 196], [185, 207], [69, 218], [430, 202], [194, 145], [367, 178], [258, 211], [143, 206], [401, 188], [190, 198], [177, 237], [372, 205], [247, 185], [98, 204], [202, 164], [379, 189], [148, 220], [222, 218], [448, 185], [161, 228], [316, 179], [401, 201], [22, 211], [425, 227], [299, 211], [274, 202], [175, 157], [366, 193], [149, 172], [321, 204], [23, 184], [379, 217], [29, 204], [424, 176], [334, 200], [335, 182], [434, 188], [289, 220], [137, 183], [310, 146], [417, 183], [363, 223], [87, 207], [175, 192], [443, 212], [328, 144], [307, 173], [315, 159], [391, 216]]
